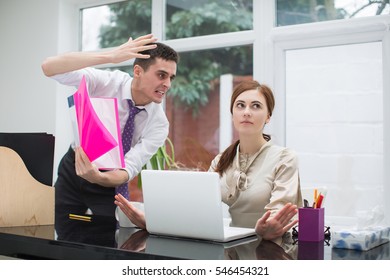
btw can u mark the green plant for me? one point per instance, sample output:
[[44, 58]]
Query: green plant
[[161, 160]]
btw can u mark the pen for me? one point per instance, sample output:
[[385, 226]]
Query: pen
[[318, 202], [80, 217], [325, 191]]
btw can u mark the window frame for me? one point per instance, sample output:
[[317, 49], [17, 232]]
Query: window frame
[[333, 33]]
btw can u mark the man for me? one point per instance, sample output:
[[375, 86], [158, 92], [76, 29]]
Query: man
[[80, 185]]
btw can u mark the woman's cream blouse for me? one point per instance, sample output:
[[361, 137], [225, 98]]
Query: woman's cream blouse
[[264, 181]]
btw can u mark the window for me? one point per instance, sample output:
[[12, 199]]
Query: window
[[335, 97], [193, 104], [113, 24], [225, 41], [188, 18], [334, 120], [291, 12], [196, 89]]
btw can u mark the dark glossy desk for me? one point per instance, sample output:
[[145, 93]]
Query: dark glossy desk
[[102, 239]]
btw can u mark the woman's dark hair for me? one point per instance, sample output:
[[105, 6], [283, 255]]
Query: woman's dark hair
[[161, 51], [228, 155]]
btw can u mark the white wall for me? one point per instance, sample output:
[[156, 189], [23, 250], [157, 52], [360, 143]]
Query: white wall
[[28, 35], [30, 31]]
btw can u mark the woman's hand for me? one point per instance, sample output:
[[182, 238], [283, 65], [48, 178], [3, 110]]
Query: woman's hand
[[136, 242], [271, 228], [136, 216]]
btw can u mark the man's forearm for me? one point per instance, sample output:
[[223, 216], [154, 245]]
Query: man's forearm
[[77, 60], [113, 178], [73, 61]]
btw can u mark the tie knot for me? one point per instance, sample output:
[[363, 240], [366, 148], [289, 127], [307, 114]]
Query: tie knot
[[133, 109]]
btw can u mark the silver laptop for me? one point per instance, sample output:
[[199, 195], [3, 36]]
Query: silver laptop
[[186, 204]]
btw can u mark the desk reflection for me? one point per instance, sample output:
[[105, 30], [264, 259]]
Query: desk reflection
[[377, 253], [131, 239], [104, 233], [249, 248], [98, 231], [311, 250]]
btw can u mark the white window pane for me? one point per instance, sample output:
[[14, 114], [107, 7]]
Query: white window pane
[[334, 120], [92, 20]]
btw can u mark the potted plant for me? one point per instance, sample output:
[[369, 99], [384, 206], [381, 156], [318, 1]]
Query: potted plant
[[161, 160]]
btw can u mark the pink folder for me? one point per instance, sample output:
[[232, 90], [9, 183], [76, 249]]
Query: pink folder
[[96, 128]]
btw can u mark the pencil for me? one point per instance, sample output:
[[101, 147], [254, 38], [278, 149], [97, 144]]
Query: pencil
[[318, 201], [80, 218], [315, 197]]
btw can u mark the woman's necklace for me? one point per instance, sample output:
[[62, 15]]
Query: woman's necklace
[[238, 178], [244, 161]]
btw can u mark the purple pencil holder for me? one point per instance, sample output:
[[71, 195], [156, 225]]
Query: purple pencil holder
[[311, 224]]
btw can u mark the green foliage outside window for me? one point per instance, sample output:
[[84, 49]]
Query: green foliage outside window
[[196, 69], [121, 25]]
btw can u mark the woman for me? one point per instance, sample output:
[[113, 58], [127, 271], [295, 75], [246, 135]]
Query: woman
[[259, 180]]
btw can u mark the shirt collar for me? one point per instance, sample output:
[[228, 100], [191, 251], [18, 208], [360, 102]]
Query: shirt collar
[[148, 107]]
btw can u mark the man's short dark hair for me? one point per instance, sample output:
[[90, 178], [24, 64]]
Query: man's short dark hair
[[161, 51]]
